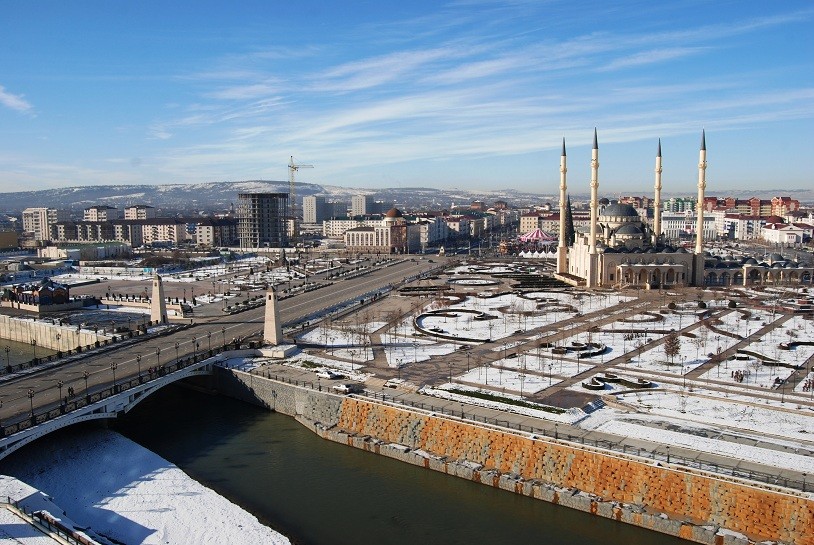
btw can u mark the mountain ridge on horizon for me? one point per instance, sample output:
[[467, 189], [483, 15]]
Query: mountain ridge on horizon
[[212, 196]]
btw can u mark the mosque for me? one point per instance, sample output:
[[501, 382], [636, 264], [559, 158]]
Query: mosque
[[621, 249]]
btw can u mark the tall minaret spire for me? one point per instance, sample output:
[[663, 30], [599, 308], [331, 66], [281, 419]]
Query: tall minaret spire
[[592, 256], [562, 247], [702, 185], [657, 199]]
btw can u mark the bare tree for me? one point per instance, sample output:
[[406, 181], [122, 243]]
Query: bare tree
[[672, 346]]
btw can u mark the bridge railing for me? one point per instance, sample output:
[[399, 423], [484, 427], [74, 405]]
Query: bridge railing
[[70, 404]]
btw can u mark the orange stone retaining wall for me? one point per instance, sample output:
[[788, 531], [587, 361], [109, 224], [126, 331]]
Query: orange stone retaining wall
[[668, 498]]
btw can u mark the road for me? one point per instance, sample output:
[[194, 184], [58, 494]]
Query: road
[[210, 328]]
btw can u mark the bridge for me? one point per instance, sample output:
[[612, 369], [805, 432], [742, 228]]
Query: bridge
[[104, 403], [107, 384]]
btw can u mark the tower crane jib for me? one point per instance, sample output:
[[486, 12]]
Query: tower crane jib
[[292, 169]]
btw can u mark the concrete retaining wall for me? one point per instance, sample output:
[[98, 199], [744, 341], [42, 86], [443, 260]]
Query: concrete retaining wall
[[48, 335], [666, 498]]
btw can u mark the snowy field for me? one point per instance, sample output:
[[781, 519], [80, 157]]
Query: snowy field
[[118, 492]]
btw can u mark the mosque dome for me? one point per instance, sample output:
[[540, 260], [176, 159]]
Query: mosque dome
[[629, 229], [394, 213], [620, 211]]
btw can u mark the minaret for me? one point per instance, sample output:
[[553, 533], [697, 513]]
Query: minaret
[[702, 185], [562, 248], [657, 199], [272, 328], [698, 273], [158, 307], [590, 280]]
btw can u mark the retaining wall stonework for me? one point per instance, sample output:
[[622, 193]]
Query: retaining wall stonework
[[666, 498]]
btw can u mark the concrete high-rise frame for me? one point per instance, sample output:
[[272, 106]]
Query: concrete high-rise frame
[[262, 220]]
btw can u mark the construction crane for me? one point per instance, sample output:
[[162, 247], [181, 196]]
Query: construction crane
[[292, 169], [292, 196]]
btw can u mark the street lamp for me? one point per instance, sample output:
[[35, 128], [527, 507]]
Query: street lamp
[[450, 372], [34, 346], [176, 350], [467, 361], [194, 346], [398, 366], [59, 385], [223, 331], [31, 398], [138, 362], [157, 357], [85, 374], [8, 364], [113, 368], [209, 340]]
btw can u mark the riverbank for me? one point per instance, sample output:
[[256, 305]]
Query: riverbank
[[119, 492]]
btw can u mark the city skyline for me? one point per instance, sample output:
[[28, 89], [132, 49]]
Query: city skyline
[[470, 94]]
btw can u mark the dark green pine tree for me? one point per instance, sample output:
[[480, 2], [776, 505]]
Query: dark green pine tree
[[570, 235]]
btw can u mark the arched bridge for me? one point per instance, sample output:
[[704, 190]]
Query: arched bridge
[[106, 403]]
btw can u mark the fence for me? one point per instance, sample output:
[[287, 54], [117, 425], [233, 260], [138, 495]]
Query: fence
[[659, 453]]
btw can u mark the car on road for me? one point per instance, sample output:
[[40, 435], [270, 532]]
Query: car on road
[[349, 388], [332, 375]]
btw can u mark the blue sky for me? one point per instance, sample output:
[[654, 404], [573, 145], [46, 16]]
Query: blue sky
[[466, 94]]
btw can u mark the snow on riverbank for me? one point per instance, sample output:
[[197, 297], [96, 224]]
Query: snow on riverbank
[[128, 494]]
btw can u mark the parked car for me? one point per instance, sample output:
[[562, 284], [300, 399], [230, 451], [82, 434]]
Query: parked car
[[349, 388], [327, 373]]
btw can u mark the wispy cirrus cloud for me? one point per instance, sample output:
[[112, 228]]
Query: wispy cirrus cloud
[[652, 56], [15, 102]]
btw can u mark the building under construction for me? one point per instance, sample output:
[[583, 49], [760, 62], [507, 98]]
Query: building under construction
[[262, 220]]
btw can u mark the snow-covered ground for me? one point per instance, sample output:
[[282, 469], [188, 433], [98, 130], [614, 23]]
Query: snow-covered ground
[[119, 492]]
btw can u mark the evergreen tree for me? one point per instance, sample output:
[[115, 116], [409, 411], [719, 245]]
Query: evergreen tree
[[570, 235]]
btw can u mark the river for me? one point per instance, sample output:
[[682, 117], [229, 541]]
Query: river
[[318, 492]]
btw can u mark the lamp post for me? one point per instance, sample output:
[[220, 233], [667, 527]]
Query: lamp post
[[85, 374], [209, 340], [194, 346], [138, 362], [176, 350], [223, 331], [34, 346], [398, 366], [8, 363], [113, 368], [157, 358], [450, 372], [59, 385], [467, 361], [31, 399]]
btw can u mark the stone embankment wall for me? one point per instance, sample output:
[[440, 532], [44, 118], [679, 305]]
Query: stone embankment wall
[[667, 498], [47, 335]]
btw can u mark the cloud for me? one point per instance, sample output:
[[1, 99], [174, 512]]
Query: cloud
[[15, 102], [651, 57], [375, 71]]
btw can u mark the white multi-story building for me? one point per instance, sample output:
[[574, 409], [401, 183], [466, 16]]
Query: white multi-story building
[[101, 213], [362, 205], [432, 231], [392, 234], [39, 221], [787, 233], [675, 227], [139, 212]]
